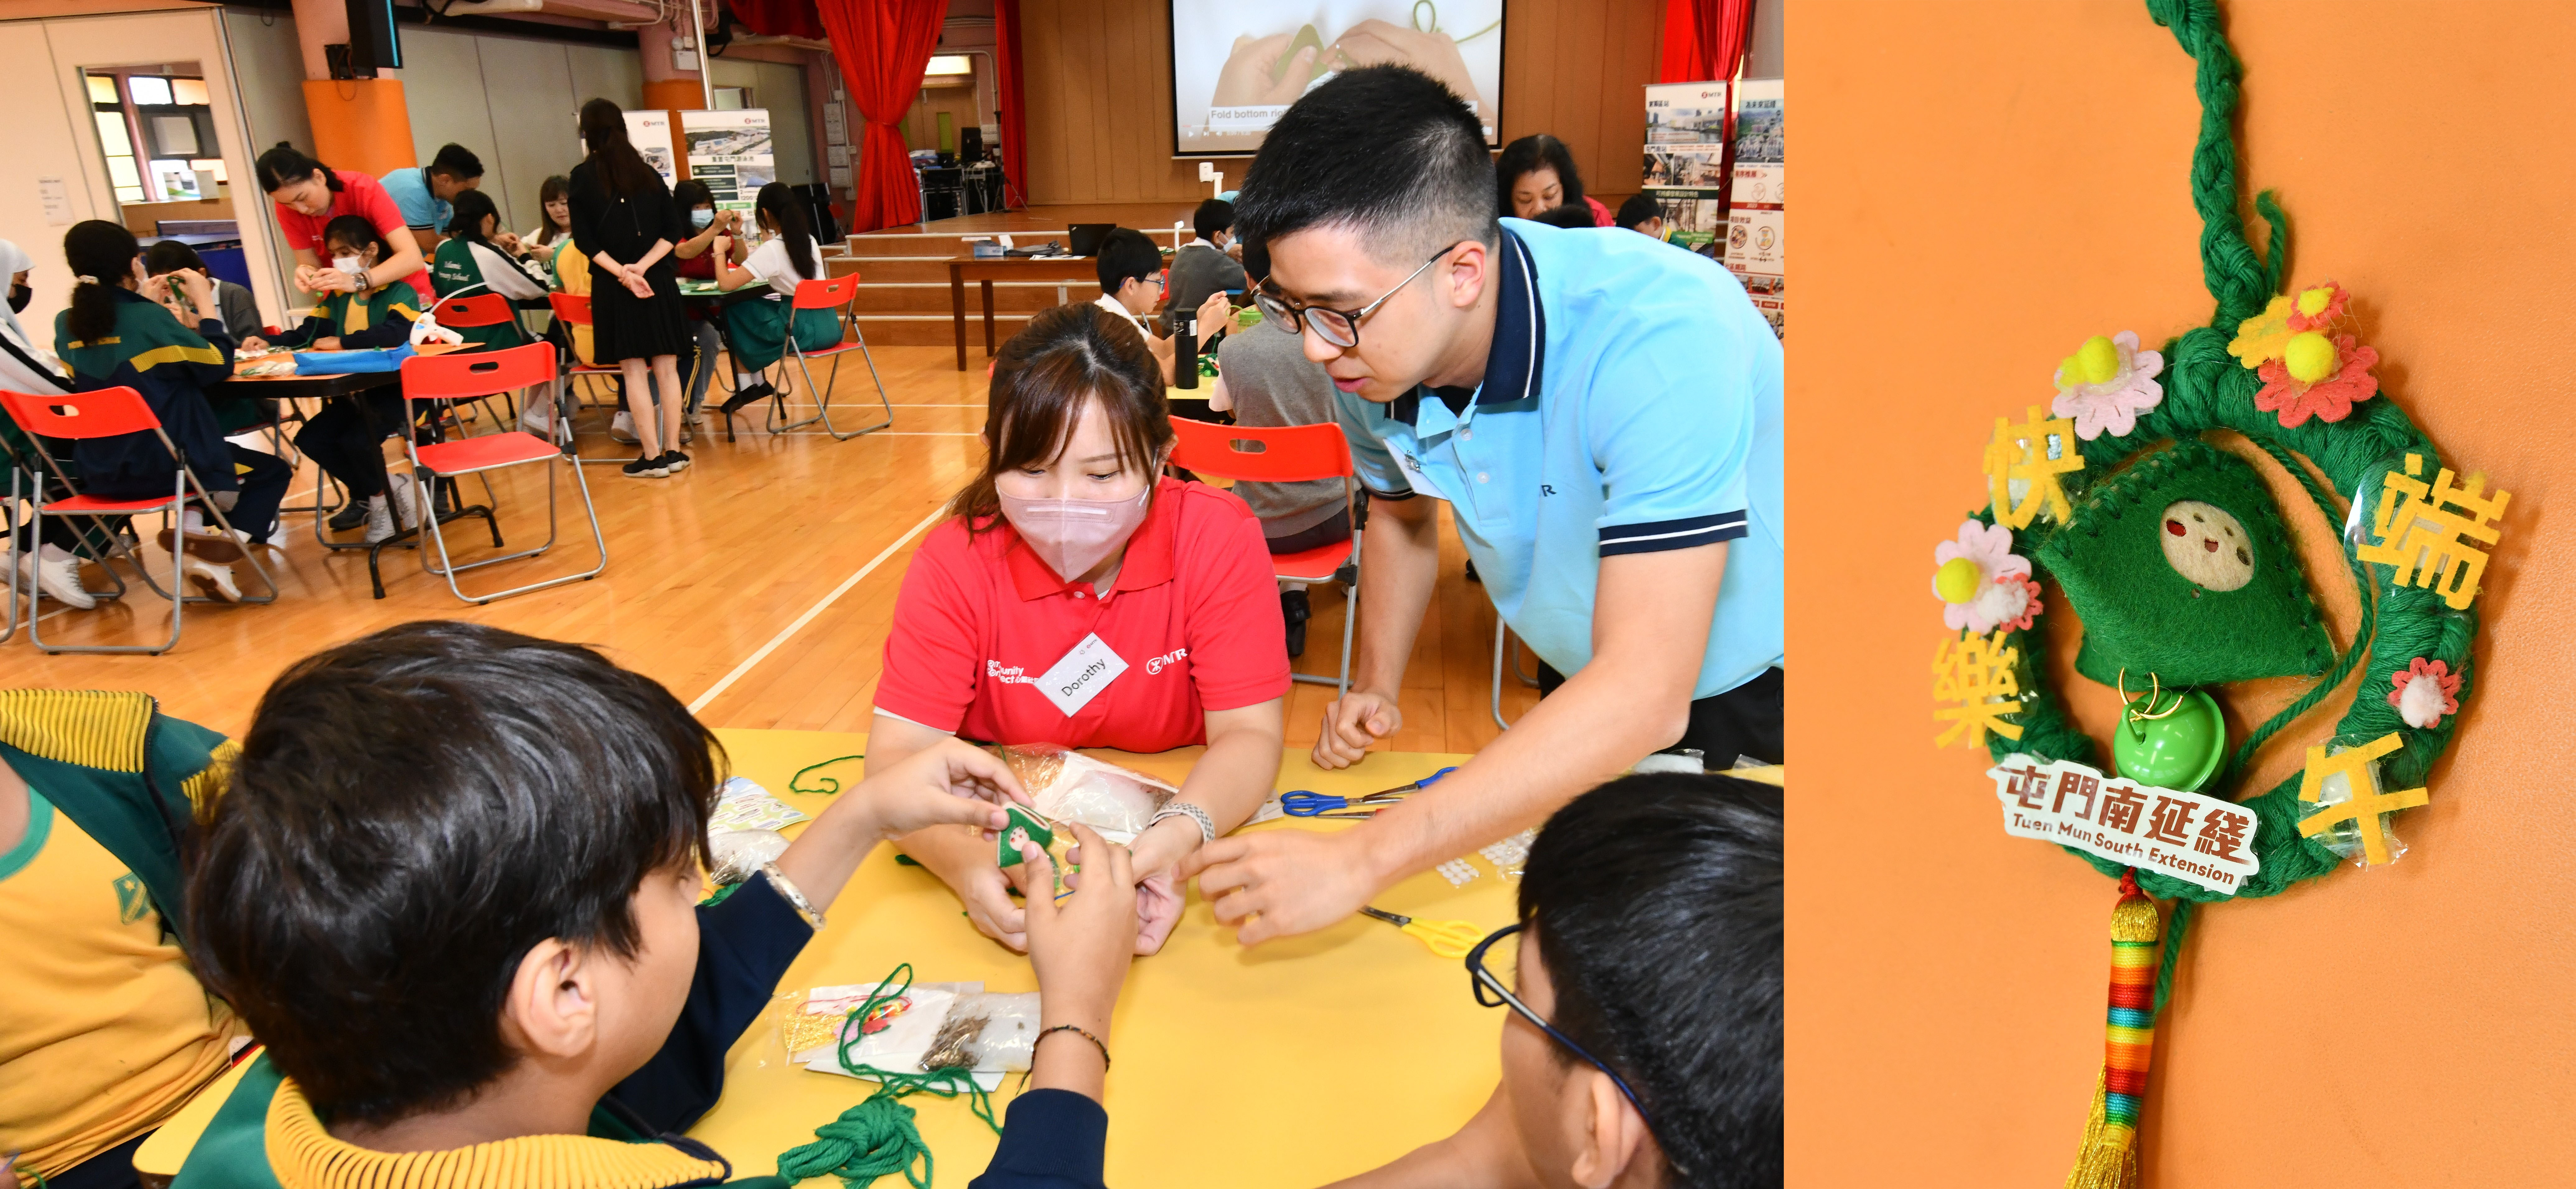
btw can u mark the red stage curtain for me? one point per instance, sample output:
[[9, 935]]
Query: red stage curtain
[[1015, 117], [776, 18], [1704, 39], [883, 46]]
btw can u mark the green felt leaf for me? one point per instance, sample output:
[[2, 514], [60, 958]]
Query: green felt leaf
[[2142, 612]]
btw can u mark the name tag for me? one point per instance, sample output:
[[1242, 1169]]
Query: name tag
[[1081, 675]]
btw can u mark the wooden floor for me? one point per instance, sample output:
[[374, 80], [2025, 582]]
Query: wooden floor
[[757, 585]]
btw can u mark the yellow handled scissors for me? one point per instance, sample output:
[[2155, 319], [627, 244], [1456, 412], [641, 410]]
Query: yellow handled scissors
[[1447, 939]]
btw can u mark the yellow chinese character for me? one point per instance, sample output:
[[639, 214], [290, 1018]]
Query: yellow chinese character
[[2023, 463], [2362, 802], [1977, 673], [2430, 535]]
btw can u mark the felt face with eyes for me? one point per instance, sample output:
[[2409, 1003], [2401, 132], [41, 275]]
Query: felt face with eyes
[[2205, 543], [2184, 574]]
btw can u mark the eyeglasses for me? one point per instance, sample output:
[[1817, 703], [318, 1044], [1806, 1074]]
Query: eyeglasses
[[1490, 992], [1341, 328]]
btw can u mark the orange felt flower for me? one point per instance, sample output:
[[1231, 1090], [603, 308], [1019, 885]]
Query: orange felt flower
[[2318, 306], [2427, 692], [2317, 377]]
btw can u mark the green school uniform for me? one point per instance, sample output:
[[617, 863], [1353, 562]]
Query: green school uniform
[[453, 269]]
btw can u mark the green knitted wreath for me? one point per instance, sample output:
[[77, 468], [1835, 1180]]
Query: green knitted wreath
[[2207, 390]]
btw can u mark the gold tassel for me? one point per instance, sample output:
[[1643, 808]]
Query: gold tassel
[[2108, 1157]]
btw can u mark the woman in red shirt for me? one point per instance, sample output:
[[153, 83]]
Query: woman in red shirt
[[1075, 598], [309, 194]]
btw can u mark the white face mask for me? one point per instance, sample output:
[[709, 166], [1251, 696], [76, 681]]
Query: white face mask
[[351, 265], [1072, 536]]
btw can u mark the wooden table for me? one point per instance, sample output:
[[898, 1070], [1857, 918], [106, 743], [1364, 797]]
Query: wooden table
[[989, 269], [1291, 1064], [304, 387]]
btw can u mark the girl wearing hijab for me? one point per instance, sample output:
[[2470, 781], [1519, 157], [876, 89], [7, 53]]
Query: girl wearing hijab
[[45, 553]]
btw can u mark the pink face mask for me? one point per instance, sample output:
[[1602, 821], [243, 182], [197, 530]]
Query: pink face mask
[[1072, 536]]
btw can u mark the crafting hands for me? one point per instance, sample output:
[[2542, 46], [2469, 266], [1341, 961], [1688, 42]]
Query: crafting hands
[[947, 783], [507, 241], [1375, 42], [1351, 724], [1246, 80], [324, 280], [1279, 883], [1212, 314], [1081, 945]]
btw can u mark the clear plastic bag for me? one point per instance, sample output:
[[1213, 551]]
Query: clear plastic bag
[[1069, 786], [734, 855], [986, 1032]]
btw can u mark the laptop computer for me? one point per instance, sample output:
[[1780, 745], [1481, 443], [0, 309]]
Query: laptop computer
[[1087, 237]]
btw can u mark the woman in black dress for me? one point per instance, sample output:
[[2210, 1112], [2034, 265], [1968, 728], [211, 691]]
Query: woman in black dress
[[624, 221]]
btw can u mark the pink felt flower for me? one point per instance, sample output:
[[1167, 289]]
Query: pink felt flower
[[2426, 692], [2105, 390], [2318, 306], [2342, 379], [1981, 583]]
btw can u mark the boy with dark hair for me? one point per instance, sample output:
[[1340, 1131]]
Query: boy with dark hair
[[1131, 284], [1644, 1047], [1569, 217], [1204, 266], [1603, 418], [234, 304], [1643, 215], [424, 193], [453, 886]]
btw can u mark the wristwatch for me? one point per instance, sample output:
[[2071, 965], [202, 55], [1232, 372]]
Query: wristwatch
[[1207, 825]]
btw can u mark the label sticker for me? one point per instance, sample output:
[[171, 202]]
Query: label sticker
[[1081, 675], [2189, 836]]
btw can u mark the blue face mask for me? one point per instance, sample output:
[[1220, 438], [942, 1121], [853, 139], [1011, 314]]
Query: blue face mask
[[700, 219]]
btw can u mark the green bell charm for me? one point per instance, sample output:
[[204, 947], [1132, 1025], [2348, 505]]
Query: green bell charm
[[2171, 739]]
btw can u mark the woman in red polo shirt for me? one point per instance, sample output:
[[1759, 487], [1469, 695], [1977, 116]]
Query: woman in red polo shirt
[[1075, 598], [309, 194]]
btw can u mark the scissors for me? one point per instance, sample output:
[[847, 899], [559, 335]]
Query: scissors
[[1446, 939], [1302, 803]]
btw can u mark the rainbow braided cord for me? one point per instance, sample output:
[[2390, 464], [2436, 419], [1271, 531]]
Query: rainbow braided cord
[[2109, 1158]]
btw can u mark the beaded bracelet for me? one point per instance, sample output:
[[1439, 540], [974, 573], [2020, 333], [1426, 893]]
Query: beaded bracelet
[[1084, 1033]]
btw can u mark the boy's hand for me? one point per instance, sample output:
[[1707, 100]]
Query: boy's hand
[[1351, 724], [1212, 314], [1082, 945], [329, 344], [200, 291], [947, 783]]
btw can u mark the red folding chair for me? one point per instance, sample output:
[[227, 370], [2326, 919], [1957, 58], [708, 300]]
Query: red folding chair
[[107, 413], [465, 377], [466, 309], [573, 309], [1286, 454], [842, 293]]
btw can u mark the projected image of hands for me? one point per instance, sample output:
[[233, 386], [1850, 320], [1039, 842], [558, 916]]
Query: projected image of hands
[[1237, 67]]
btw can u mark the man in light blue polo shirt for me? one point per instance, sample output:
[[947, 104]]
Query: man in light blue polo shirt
[[1602, 414], [424, 193]]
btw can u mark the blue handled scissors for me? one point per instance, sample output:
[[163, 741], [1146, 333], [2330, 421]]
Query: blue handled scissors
[[1302, 803]]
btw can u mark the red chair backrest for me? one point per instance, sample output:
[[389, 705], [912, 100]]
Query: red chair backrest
[[1280, 454], [826, 294], [101, 414], [466, 375], [481, 309], [571, 307]]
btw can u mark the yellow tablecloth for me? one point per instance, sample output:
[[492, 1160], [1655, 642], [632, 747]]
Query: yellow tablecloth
[[1290, 1064]]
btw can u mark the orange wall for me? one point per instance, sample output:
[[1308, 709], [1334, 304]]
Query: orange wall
[[1980, 188]]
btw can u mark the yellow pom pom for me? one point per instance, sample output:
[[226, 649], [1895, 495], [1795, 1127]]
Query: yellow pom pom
[[2310, 357], [1958, 580], [2096, 362], [2312, 302]]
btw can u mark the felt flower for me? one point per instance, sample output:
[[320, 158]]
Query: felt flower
[[2318, 306], [2426, 692], [1981, 582], [2106, 383], [2259, 339], [2317, 376]]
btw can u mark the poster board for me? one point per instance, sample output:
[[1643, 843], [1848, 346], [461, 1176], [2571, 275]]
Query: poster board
[[1757, 199], [650, 133], [1685, 162], [732, 152]]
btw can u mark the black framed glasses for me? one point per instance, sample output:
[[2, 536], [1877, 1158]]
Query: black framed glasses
[[1341, 328], [1491, 992]]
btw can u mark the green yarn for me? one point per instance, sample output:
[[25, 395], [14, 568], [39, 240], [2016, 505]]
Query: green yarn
[[829, 784], [877, 1137], [2206, 391]]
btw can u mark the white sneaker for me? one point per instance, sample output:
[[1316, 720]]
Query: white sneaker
[[405, 500], [57, 579], [537, 419], [380, 520], [621, 428], [211, 580]]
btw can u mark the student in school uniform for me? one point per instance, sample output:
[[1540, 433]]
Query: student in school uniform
[[469, 259], [1203, 265], [346, 438], [625, 224], [234, 303], [1131, 284], [427, 194], [759, 328], [119, 334], [1643, 215], [1070, 553], [309, 194], [554, 201], [46, 555]]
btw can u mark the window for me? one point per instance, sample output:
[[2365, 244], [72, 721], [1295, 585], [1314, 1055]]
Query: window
[[188, 91], [149, 91], [101, 88]]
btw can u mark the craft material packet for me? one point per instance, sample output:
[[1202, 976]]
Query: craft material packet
[[743, 805], [1068, 786], [812, 1032]]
